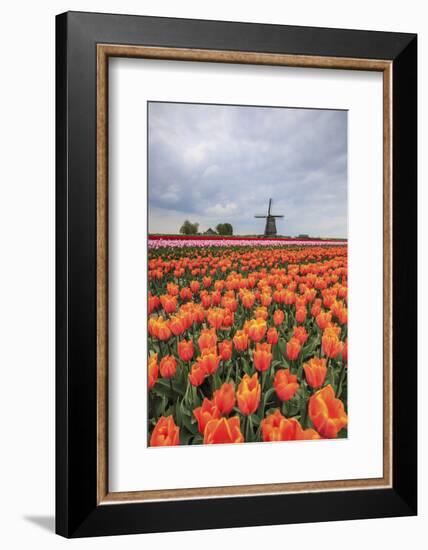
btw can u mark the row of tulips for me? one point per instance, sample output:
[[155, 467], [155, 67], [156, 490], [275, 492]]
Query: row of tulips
[[247, 345], [166, 242]]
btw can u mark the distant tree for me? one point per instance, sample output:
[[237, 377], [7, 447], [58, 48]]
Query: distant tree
[[224, 229], [189, 228]]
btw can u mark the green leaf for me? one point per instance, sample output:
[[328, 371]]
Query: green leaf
[[343, 434], [185, 436], [250, 430], [246, 367]]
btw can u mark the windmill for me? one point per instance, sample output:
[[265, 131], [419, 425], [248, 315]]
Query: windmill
[[270, 228]]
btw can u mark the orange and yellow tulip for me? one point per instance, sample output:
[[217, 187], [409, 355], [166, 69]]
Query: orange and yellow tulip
[[327, 413], [169, 303], [240, 340], [165, 433], [248, 394], [315, 372], [257, 329], [331, 345], [224, 430]]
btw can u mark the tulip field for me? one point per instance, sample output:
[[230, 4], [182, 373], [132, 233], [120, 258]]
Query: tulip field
[[247, 340]]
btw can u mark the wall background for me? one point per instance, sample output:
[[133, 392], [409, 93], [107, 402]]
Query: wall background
[[27, 242]]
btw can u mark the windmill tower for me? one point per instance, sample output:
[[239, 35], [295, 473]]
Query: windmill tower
[[270, 228]]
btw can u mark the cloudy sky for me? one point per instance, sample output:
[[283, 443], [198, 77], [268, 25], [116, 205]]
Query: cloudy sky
[[213, 164]]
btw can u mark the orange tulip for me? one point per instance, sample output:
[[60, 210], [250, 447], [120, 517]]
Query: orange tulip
[[169, 303], [323, 319], [198, 313], [215, 317], [206, 300], [262, 357], [240, 340], [162, 330], [224, 430], [248, 300], [172, 289], [272, 336], [152, 326], [185, 293], [293, 348], [153, 303], [216, 298], [165, 433], [265, 299], [301, 315], [153, 370], [229, 318], [343, 315], [207, 339], [209, 360], [194, 287], [327, 413], [224, 398], [229, 303], [285, 384], [185, 350], [168, 366], [257, 329], [301, 334], [197, 374], [288, 297], [315, 372], [276, 427], [225, 349], [248, 394], [205, 413], [316, 308], [278, 317], [261, 313], [186, 317], [331, 345], [177, 325]]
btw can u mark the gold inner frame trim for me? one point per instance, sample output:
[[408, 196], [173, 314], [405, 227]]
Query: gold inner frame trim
[[104, 51]]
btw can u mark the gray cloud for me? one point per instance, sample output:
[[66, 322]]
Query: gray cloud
[[213, 163]]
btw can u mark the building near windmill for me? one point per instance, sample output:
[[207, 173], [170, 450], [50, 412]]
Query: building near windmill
[[270, 227]]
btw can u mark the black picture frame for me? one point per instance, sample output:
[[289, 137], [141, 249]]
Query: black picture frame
[[77, 512]]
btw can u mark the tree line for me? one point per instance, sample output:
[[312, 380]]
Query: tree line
[[189, 228]]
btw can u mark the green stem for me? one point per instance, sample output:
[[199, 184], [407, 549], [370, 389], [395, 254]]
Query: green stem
[[341, 379]]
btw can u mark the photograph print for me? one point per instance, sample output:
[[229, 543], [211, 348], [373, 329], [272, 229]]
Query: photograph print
[[247, 274]]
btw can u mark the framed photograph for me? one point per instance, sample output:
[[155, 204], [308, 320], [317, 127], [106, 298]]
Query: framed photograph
[[236, 274]]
